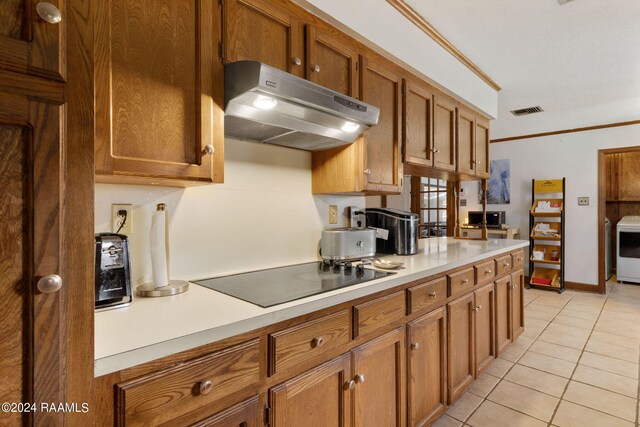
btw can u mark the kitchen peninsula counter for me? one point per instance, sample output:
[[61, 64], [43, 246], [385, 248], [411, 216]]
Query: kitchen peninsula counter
[[152, 328]]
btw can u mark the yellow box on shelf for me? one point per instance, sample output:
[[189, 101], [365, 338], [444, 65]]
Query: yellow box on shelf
[[541, 186]]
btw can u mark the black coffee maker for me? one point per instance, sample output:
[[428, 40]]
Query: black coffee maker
[[113, 272]]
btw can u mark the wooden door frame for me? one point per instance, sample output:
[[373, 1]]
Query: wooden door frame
[[602, 210]]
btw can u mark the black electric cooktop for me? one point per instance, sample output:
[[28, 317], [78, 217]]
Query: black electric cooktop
[[274, 286]]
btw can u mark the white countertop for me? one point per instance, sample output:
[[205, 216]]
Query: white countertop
[[151, 328]]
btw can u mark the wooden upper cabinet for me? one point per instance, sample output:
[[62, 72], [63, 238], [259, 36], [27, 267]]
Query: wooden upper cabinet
[[611, 170], [332, 61], [379, 372], [629, 176], [259, 31], [158, 92], [466, 141], [29, 44], [444, 132], [381, 86], [319, 397], [417, 123], [482, 148]]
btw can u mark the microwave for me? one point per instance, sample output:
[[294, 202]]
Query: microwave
[[495, 219]]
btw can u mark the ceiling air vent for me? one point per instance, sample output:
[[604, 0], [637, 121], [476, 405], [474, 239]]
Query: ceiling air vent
[[561, 2], [525, 111]]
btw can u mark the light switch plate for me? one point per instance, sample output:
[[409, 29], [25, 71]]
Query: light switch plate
[[583, 201]]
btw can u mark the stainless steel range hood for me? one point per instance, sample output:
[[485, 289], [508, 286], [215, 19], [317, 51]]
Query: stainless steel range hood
[[265, 104]]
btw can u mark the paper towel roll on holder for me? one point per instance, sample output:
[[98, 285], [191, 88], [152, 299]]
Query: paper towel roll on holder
[[160, 260]]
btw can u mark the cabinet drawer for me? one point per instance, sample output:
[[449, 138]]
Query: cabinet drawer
[[485, 272], [461, 281], [503, 264], [426, 295], [299, 343], [517, 260], [197, 388], [378, 313]]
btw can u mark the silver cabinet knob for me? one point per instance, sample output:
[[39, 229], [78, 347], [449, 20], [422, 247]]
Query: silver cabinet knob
[[465, 282], [433, 294], [505, 264], [349, 385], [48, 12], [436, 150], [488, 271], [296, 61], [477, 162], [367, 171], [476, 308], [519, 258], [208, 149], [359, 378], [206, 387], [317, 342], [414, 345], [315, 68], [49, 284]]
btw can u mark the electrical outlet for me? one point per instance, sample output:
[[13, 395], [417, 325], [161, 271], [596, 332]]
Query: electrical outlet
[[583, 201], [117, 217], [333, 214]]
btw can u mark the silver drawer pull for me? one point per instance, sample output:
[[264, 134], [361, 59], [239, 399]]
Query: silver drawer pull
[[505, 264], [206, 387], [296, 61], [433, 294], [488, 271], [414, 346], [316, 68], [359, 378], [465, 282], [48, 12], [208, 149], [317, 342], [349, 385]]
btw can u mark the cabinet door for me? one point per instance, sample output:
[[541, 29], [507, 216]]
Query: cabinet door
[[427, 357], [460, 341], [629, 176], [378, 368], [418, 124], [466, 141], [482, 163], [259, 31], [158, 92], [381, 86], [32, 344], [319, 397], [244, 414], [29, 44], [332, 61], [611, 167], [485, 327], [517, 303], [444, 131], [504, 326]]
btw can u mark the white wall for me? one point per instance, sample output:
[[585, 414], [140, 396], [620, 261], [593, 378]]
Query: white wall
[[264, 215], [381, 24], [574, 156]]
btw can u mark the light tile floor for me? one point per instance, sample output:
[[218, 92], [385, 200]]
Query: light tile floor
[[576, 364]]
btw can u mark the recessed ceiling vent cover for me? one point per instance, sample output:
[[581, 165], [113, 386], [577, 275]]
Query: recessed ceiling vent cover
[[561, 2], [526, 111]]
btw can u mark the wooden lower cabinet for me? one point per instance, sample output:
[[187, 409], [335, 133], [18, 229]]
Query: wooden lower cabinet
[[244, 414], [484, 313], [517, 303], [378, 369], [460, 342], [504, 326], [320, 397], [426, 367]]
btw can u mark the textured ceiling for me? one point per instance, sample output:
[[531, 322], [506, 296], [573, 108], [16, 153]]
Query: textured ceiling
[[580, 62]]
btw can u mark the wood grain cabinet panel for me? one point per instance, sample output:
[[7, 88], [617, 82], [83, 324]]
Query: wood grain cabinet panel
[[426, 367], [377, 314], [485, 272], [381, 86], [332, 61], [629, 176], [299, 343], [28, 44], [320, 397], [483, 142], [257, 30], [32, 333], [158, 92], [191, 391], [460, 342], [461, 281], [444, 132], [484, 312], [517, 260], [417, 121], [245, 414], [503, 304], [379, 374], [466, 134], [503, 265], [517, 303], [426, 295]]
